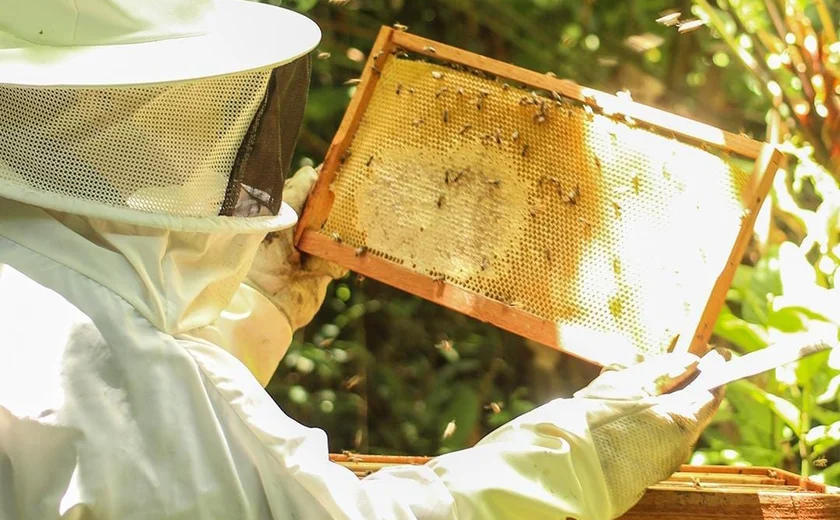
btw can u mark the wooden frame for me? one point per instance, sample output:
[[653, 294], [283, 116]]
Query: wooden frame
[[462, 300], [694, 492]]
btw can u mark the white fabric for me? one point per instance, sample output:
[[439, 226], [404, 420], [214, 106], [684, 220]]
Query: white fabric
[[143, 42], [116, 400]]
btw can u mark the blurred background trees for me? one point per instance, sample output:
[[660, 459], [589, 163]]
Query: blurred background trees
[[384, 372]]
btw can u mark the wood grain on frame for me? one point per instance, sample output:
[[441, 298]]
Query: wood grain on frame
[[320, 201]]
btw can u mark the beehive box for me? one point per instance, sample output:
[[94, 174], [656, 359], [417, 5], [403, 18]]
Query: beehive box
[[696, 492], [577, 219]]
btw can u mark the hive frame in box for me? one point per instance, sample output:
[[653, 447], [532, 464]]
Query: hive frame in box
[[694, 492], [510, 318]]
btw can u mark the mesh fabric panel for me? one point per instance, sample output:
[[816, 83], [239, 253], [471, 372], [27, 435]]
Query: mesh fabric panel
[[163, 149], [575, 217]]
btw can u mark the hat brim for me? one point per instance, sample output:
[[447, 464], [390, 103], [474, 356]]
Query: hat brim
[[250, 36]]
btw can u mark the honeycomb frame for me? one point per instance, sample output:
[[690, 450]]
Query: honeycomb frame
[[485, 269]]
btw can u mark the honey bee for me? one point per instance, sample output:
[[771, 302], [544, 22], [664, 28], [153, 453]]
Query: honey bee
[[505, 86], [669, 18], [437, 74], [441, 92], [354, 81], [690, 25], [514, 136], [695, 482], [361, 250], [324, 55], [375, 69], [571, 198], [377, 55], [417, 122], [445, 345], [430, 49], [495, 182], [351, 382], [400, 27], [360, 278], [484, 263], [399, 88], [411, 90], [551, 74], [557, 97], [446, 116], [479, 104], [464, 129], [369, 161], [525, 150], [449, 430], [439, 202], [820, 462], [339, 2], [439, 278], [336, 237], [494, 407], [548, 255], [539, 118], [460, 91], [344, 156]]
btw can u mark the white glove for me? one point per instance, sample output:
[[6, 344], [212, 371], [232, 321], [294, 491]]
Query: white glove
[[642, 438], [589, 457], [295, 283]]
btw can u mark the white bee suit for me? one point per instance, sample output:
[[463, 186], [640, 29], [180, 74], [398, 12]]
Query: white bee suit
[[149, 289], [124, 393]]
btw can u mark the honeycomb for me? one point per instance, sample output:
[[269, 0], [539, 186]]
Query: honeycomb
[[611, 230]]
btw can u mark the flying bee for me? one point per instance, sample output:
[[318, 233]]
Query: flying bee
[[444, 345], [551, 74], [437, 74], [669, 18], [354, 81], [351, 382], [690, 25], [449, 430], [494, 407], [361, 251], [400, 27], [324, 55], [821, 462], [336, 237]]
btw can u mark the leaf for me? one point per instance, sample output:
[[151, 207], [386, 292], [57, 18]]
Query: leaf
[[745, 335], [784, 409]]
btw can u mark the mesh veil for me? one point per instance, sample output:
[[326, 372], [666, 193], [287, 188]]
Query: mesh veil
[[187, 149]]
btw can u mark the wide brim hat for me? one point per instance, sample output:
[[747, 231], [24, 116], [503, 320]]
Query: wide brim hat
[[105, 44], [231, 37]]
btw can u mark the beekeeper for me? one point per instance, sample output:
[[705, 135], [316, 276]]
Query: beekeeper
[[149, 288]]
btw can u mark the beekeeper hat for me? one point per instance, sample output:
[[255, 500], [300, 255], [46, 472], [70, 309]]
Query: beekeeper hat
[[155, 112]]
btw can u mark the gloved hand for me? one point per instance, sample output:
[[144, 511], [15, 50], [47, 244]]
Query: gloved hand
[[294, 282], [642, 438]]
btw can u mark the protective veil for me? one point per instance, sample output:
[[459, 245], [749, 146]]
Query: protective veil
[[149, 288]]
